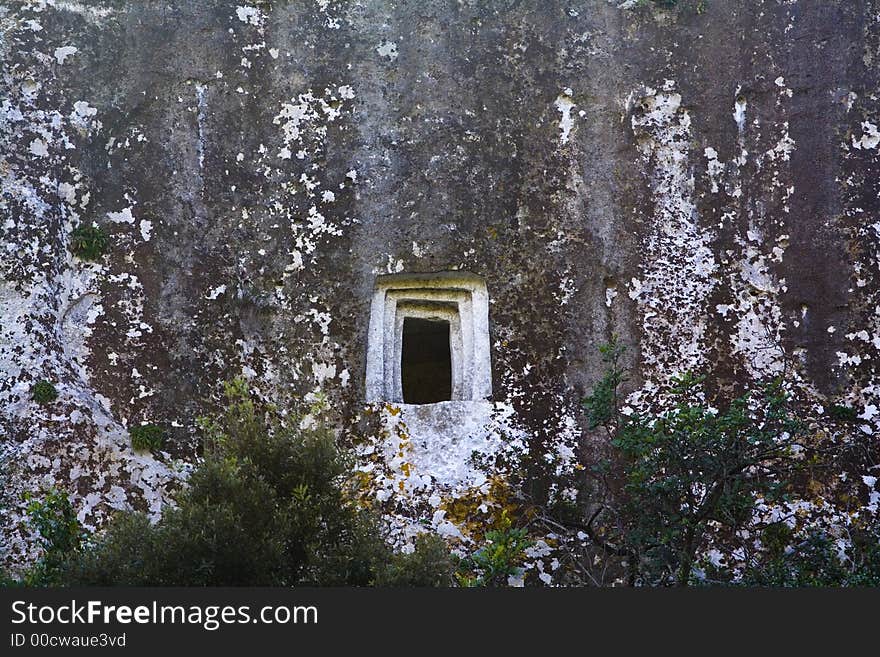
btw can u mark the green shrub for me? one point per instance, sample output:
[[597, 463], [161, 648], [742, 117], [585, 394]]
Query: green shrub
[[267, 506], [44, 392], [843, 413], [61, 535], [601, 405], [690, 470], [689, 466], [146, 437], [429, 564], [816, 562], [124, 555], [7, 580], [89, 242]]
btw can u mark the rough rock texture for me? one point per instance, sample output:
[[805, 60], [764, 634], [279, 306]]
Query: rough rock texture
[[702, 181]]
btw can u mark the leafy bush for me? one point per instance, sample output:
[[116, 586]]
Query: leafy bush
[[146, 437], [689, 467], [843, 413], [7, 580], [817, 561], [602, 403], [61, 535], [44, 392], [267, 506], [698, 490], [430, 564], [89, 242]]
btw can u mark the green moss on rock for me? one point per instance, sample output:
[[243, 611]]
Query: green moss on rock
[[44, 392], [147, 437], [89, 242]]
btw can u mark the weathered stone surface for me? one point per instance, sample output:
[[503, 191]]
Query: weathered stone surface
[[704, 184]]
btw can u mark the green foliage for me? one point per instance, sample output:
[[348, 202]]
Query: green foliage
[[89, 242], [7, 580], [688, 467], [430, 564], [843, 413], [601, 404], [267, 506], [816, 562], [687, 472], [146, 437], [500, 558], [61, 535], [44, 392], [692, 466], [127, 554]]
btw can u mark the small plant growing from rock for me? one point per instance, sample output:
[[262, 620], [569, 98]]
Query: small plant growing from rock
[[89, 242], [499, 559], [147, 437], [44, 392]]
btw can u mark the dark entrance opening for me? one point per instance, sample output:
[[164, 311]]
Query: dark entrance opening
[[425, 361]]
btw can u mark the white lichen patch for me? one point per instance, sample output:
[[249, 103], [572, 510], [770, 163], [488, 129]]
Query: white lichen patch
[[752, 285], [783, 148], [678, 266], [39, 148], [740, 107], [88, 11], [62, 53], [564, 105], [387, 49], [715, 168], [123, 216], [326, 7], [424, 456], [146, 229], [214, 293], [250, 15], [304, 123], [870, 138]]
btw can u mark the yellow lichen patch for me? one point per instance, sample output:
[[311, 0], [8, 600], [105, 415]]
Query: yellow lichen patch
[[480, 510]]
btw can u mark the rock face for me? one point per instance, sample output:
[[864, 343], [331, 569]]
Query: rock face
[[701, 180]]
